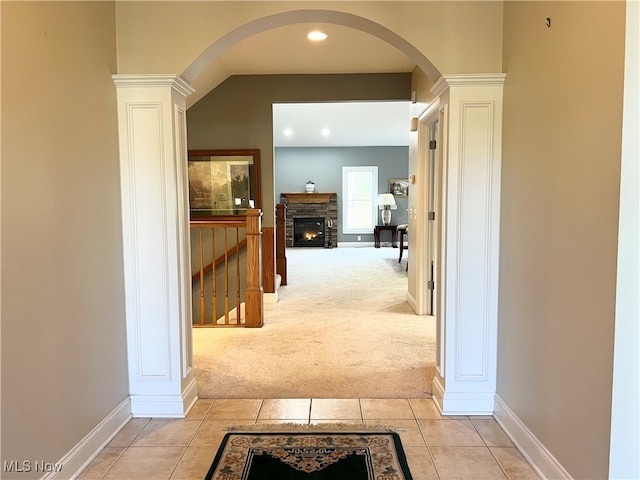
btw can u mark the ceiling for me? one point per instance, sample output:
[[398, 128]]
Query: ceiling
[[286, 50], [341, 124]]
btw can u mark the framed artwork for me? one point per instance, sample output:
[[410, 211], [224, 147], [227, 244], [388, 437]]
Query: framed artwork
[[223, 182], [399, 187]]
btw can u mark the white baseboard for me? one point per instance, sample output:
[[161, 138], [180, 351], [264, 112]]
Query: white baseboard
[[190, 394], [412, 303], [84, 452], [165, 406], [437, 391], [466, 403], [356, 244], [542, 461]]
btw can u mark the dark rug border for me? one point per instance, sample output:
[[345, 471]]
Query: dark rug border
[[397, 443]]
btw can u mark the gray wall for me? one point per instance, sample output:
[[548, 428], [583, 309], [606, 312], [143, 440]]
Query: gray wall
[[323, 165], [558, 244], [64, 356]]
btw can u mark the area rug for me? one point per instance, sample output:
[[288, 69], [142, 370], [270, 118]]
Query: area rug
[[310, 456]]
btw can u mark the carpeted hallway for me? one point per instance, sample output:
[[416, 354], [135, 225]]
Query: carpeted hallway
[[342, 329]]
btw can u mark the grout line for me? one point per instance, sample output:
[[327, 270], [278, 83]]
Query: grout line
[[255, 418], [178, 463]]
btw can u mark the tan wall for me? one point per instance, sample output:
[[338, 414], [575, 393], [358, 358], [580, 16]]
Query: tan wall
[[458, 37], [64, 363], [238, 113], [560, 191]]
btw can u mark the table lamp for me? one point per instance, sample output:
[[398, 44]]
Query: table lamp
[[386, 203]]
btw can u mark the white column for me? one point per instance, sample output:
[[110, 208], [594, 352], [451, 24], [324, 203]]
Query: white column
[[471, 231], [155, 224]]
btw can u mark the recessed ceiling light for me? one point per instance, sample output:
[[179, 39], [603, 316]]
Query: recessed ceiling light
[[325, 132], [288, 132], [317, 36]]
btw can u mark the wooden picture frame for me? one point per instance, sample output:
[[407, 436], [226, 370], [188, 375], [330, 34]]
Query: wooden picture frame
[[399, 187], [223, 183]]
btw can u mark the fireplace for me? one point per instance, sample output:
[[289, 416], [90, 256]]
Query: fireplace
[[308, 232], [317, 206]]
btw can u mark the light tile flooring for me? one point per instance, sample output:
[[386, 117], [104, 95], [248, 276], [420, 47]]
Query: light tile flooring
[[437, 447]]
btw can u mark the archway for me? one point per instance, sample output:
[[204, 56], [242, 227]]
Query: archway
[[308, 16], [222, 115], [152, 125]]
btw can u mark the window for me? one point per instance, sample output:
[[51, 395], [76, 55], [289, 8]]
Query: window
[[359, 191]]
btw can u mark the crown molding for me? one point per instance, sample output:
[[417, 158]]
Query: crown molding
[[166, 80], [467, 80]]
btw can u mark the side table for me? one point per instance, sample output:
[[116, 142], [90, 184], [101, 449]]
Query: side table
[[381, 228]]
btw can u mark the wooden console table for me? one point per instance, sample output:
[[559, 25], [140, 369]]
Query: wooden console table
[[381, 228]]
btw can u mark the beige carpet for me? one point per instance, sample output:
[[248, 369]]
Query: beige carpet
[[341, 329]]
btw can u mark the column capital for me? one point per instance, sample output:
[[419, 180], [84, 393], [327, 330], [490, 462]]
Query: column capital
[[447, 81], [153, 80]]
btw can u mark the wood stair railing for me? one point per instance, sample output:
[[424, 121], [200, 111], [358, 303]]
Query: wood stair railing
[[228, 254], [238, 280]]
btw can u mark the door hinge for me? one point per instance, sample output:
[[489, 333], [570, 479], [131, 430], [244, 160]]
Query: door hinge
[[432, 144], [430, 285], [431, 216]]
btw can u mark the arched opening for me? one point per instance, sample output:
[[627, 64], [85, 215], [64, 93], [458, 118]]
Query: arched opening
[[308, 16], [152, 120], [246, 31]]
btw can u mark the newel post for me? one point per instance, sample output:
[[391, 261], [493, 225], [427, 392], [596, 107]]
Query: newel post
[[254, 293], [281, 257]]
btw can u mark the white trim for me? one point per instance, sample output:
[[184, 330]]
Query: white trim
[[439, 87], [465, 403], [475, 79], [189, 396], [413, 303], [532, 449], [165, 406], [152, 129], [80, 456], [437, 392], [346, 171], [467, 80], [151, 80], [356, 244]]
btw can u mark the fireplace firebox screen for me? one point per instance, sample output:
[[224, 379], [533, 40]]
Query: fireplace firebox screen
[[308, 232]]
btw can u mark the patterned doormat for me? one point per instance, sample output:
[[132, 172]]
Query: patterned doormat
[[310, 456]]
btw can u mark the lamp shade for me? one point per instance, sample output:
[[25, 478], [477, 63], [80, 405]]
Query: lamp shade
[[385, 200]]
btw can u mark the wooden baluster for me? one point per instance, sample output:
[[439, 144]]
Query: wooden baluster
[[254, 315], [214, 279], [226, 279], [201, 279], [237, 276]]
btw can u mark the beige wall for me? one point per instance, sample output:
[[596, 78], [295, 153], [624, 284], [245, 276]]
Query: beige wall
[[63, 340], [238, 113], [560, 192], [63, 332], [457, 37]]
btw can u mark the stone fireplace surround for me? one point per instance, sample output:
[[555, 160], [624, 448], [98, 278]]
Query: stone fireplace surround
[[311, 205]]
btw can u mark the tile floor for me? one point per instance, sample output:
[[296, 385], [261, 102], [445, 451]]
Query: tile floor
[[437, 447]]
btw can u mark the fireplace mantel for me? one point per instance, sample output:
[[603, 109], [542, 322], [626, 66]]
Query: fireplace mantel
[[315, 197]]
